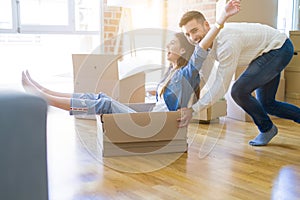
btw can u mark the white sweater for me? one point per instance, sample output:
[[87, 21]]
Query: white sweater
[[236, 45]]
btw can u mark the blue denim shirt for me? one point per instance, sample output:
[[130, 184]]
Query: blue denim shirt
[[184, 82]]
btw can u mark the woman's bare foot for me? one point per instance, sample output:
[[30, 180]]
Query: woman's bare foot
[[45, 90], [26, 84], [33, 82], [30, 87], [55, 99]]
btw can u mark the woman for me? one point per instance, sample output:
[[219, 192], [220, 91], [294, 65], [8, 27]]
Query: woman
[[173, 92]]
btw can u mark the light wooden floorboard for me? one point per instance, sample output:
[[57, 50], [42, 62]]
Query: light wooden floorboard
[[219, 164]]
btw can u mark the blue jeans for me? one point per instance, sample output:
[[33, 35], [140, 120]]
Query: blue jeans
[[263, 76], [91, 104]]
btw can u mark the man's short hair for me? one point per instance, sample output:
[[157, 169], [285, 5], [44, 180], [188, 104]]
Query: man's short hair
[[190, 15]]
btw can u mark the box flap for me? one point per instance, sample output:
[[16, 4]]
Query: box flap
[[141, 107], [131, 88], [89, 69], [104, 65], [294, 32], [99, 73], [139, 70]]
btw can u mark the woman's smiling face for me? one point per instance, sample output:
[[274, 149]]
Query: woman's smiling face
[[174, 50]]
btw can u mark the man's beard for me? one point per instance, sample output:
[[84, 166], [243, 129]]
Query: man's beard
[[195, 42]]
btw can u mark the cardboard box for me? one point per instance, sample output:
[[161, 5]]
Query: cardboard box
[[140, 133], [238, 72], [234, 111], [280, 95], [99, 73], [295, 61], [295, 38], [249, 14], [292, 71], [218, 109], [292, 88]]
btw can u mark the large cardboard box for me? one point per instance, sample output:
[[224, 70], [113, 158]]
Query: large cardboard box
[[295, 61], [292, 76], [140, 133], [295, 37], [267, 9], [218, 109], [99, 73]]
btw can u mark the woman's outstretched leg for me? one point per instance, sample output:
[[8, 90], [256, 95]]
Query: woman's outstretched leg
[[77, 103], [58, 101]]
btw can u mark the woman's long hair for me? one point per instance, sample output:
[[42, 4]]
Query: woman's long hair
[[182, 60]]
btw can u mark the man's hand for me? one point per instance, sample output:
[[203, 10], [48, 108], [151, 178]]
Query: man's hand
[[186, 116], [232, 7]]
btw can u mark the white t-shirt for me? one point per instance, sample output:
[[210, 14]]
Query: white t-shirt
[[160, 105]]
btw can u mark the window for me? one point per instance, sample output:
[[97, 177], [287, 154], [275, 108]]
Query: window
[[50, 16], [288, 15], [296, 22], [42, 35], [286, 19], [7, 17]]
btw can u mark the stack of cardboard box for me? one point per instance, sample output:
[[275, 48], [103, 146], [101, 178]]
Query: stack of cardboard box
[[248, 15], [217, 110], [292, 72]]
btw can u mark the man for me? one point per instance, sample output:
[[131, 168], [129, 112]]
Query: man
[[265, 51]]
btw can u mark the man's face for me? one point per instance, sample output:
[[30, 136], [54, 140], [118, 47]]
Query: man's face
[[195, 31]]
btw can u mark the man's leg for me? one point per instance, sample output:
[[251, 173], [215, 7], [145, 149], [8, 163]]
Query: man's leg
[[261, 72], [76, 103], [91, 104], [266, 96]]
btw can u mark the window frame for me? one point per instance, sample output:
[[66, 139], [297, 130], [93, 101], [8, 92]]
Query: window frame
[[17, 27], [14, 18], [295, 16]]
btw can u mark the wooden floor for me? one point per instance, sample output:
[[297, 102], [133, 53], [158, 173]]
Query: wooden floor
[[219, 164]]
